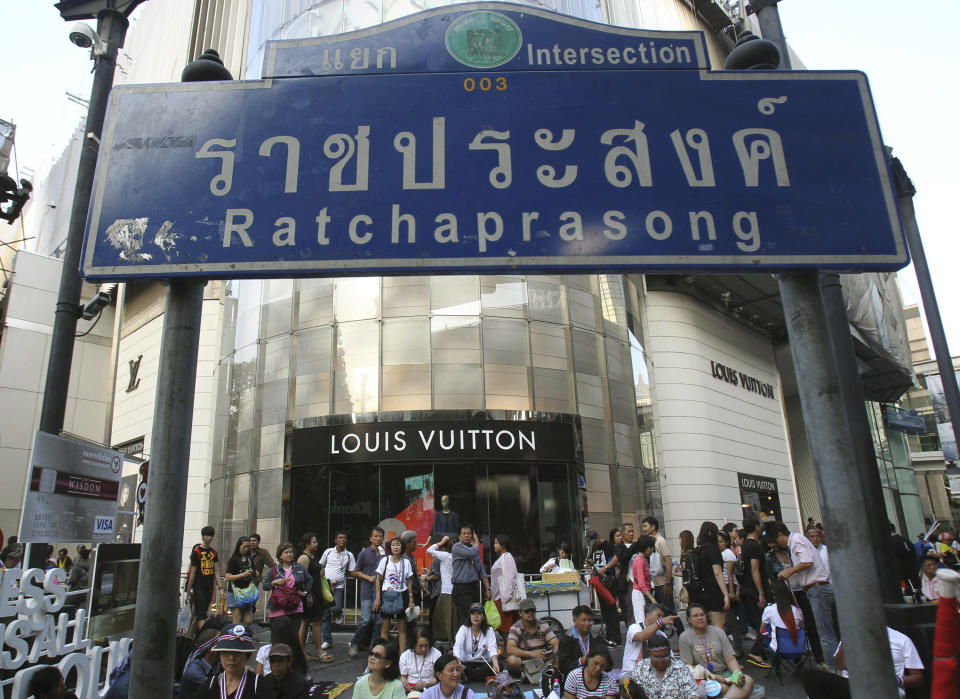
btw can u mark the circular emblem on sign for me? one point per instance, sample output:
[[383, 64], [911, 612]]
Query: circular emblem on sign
[[115, 464], [483, 39], [142, 493]]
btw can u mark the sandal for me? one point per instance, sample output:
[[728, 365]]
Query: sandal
[[325, 658]]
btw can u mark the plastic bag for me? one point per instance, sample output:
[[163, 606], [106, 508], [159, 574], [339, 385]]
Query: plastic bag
[[184, 619], [492, 613]]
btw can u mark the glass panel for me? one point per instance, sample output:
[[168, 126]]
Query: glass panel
[[406, 502], [507, 387], [455, 296], [455, 340], [312, 387], [503, 296], [547, 299], [623, 403], [314, 302], [405, 296], [559, 523], [553, 390], [583, 308], [356, 298], [406, 341], [457, 386], [461, 483], [356, 373], [277, 312], [550, 346], [310, 487], [248, 311], [406, 364], [612, 305], [511, 494], [505, 342]]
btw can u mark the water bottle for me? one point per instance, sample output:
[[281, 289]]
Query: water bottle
[[555, 689]]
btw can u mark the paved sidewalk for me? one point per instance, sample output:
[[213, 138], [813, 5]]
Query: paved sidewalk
[[346, 669]]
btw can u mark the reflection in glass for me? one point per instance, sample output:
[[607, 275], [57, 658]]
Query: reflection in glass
[[405, 296], [406, 364], [503, 296], [314, 302], [455, 340], [547, 299], [455, 296], [356, 298], [357, 367], [457, 386]]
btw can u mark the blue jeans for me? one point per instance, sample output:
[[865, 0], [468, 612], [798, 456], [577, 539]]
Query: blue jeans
[[328, 614], [822, 604], [368, 622]]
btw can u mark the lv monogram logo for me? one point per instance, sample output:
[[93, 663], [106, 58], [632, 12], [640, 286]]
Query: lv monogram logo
[[134, 369]]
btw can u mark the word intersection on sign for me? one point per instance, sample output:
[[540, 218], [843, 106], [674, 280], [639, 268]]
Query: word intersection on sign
[[515, 168]]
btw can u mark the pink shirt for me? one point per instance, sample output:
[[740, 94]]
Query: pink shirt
[[290, 582], [641, 573]]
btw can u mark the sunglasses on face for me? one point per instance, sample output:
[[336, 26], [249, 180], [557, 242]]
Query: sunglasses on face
[[371, 654]]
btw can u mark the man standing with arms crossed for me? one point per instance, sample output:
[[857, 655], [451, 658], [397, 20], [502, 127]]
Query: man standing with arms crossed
[[366, 571], [467, 572]]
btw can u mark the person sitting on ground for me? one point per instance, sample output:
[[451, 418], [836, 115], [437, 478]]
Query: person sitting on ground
[[702, 644], [593, 679], [201, 663], [234, 647], [929, 582], [416, 663], [48, 683], [574, 646], [530, 638], [476, 646], [781, 614], [284, 682], [560, 561], [655, 623], [661, 675], [448, 671], [383, 679], [282, 630]]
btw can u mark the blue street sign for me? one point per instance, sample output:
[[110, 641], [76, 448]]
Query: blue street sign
[[488, 169]]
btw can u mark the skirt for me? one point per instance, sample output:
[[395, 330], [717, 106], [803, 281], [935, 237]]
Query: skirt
[[442, 618]]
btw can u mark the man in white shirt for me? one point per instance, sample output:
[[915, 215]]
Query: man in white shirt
[[907, 666], [809, 572], [337, 562], [815, 534]]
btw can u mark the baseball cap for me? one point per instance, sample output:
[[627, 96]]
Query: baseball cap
[[475, 607], [526, 604]]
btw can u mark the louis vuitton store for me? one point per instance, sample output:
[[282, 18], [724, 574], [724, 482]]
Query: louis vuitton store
[[514, 476]]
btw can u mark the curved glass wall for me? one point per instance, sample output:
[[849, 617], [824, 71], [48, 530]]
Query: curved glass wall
[[311, 348]]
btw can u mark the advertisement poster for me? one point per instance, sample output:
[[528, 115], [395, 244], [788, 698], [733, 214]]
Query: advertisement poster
[[71, 491], [113, 597], [948, 441]]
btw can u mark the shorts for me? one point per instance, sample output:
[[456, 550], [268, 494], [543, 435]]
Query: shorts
[[200, 599], [711, 599]]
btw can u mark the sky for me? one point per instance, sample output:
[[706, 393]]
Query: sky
[[902, 46]]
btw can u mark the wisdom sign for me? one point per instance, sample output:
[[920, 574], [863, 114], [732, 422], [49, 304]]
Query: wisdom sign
[[489, 138]]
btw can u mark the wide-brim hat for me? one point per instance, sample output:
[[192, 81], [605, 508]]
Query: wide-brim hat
[[235, 639]]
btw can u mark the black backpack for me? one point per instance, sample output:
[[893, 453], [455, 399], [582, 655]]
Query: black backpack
[[696, 582], [740, 567]]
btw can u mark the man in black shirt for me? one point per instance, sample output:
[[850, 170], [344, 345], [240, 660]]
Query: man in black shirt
[[284, 682], [203, 586], [906, 558], [749, 572]]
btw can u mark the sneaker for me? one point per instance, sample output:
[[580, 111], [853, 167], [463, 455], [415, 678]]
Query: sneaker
[[325, 645], [612, 644], [352, 652], [751, 634]]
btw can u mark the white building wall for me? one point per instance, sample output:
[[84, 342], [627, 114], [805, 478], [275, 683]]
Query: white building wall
[[133, 414], [708, 430], [24, 346]]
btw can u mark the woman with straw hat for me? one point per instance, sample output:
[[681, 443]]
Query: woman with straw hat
[[234, 647]]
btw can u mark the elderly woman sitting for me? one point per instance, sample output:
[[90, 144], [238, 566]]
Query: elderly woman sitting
[[709, 647]]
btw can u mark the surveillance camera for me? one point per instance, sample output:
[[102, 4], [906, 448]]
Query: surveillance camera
[[83, 35]]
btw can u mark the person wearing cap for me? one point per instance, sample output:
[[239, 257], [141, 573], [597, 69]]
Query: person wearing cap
[[201, 663], [476, 646], [233, 648], [284, 682], [529, 639]]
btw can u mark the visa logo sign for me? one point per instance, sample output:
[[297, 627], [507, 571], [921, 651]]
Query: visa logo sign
[[103, 525]]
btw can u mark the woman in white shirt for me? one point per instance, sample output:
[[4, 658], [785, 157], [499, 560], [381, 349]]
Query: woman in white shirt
[[476, 646], [503, 583], [441, 617], [559, 562], [782, 614], [393, 574], [416, 664]]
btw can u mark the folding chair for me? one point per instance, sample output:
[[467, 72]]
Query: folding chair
[[789, 658]]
